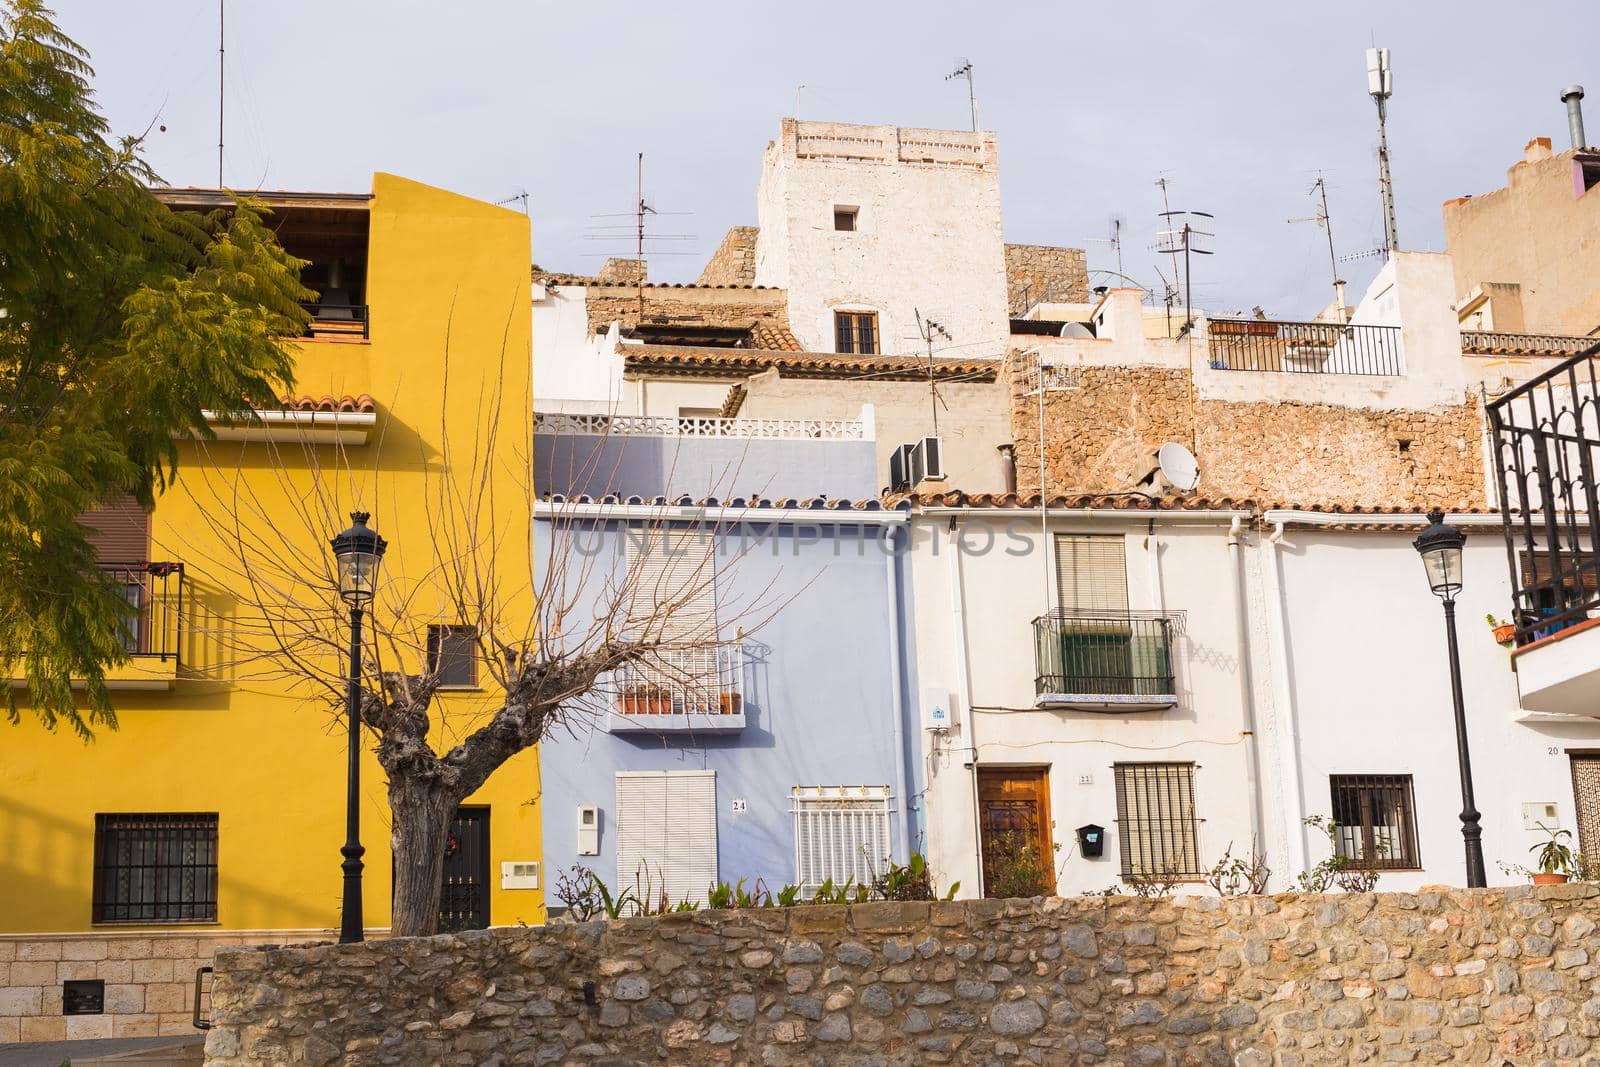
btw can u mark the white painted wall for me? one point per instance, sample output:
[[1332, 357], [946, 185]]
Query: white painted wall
[[572, 370], [928, 235]]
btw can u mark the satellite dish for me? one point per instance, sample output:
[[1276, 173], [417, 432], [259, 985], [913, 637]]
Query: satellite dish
[[1178, 466], [1076, 329]]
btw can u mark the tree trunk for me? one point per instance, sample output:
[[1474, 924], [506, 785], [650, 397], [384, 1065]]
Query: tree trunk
[[420, 812]]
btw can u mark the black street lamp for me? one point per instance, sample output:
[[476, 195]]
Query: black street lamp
[[1440, 546], [357, 553]]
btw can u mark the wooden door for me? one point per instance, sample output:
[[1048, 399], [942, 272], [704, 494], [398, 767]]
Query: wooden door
[[464, 900], [1014, 806]]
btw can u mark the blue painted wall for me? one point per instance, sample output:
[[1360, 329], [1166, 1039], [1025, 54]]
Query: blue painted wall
[[819, 703], [723, 467]]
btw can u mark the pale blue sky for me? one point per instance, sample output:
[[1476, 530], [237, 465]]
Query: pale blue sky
[[1238, 103]]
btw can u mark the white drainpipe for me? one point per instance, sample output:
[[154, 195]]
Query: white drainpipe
[[958, 609], [1247, 699], [1289, 751], [896, 699]]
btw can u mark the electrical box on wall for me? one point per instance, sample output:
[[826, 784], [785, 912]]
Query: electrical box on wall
[[588, 830], [1542, 815], [938, 709], [519, 874]]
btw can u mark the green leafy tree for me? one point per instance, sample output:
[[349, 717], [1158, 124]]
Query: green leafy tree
[[121, 321]]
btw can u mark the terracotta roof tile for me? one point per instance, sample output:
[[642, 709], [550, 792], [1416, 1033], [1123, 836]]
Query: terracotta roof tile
[[1139, 502], [771, 338], [673, 359], [362, 403]]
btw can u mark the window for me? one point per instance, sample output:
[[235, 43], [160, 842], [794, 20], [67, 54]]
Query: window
[[83, 996], [1091, 572], [856, 332], [1155, 819], [667, 834], [1377, 820], [1094, 645], [840, 832], [844, 218], [155, 868], [453, 655]]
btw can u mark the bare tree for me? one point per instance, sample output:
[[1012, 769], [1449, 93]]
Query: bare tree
[[555, 625]]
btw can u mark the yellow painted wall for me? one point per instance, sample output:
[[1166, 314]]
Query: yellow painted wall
[[264, 752]]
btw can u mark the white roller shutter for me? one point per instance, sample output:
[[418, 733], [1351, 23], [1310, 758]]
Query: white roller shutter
[[667, 833], [677, 568]]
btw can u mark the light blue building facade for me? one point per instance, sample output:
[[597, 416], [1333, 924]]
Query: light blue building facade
[[789, 752]]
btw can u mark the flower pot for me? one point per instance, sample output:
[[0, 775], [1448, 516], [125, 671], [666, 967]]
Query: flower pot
[[730, 703], [632, 704], [658, 705], [1504, 635], [1548, 878]]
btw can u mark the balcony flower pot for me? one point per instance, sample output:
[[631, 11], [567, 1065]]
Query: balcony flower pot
[[1549, 878], [1504, 635], [645, 700], [730, 703]]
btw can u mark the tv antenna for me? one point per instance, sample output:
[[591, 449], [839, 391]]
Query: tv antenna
[[1182, 235], [1380, 84], [517, 197], [635, 229], [928, 328], [1162, 183], [1115, 241], [964, 69], [221, 83], [1319, 188]]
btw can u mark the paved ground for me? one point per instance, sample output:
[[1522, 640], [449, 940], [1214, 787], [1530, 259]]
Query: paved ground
[[140, 1051]]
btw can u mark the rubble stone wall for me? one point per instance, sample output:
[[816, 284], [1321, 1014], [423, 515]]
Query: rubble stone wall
[[734, 261], [1104, 422], [1038, 274], [1452, 976]]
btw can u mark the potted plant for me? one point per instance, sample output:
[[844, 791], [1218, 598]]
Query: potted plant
[[1504, 632], [730, 703], [1553, 857], [633, 699], [658, 701]]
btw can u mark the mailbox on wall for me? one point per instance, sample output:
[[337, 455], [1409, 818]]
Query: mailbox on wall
[[1092, 840]]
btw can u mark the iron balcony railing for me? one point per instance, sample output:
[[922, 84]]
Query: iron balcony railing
[[1304, 347], [1546, 439], [1089, 655], [332, 320], [154, 592], [695, 681]]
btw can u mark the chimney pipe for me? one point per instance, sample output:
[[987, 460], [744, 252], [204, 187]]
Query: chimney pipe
[[1572, 96]]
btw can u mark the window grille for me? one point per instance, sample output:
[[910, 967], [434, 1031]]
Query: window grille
[[840, 833], [453, 654], [1091, 572], [155, 868], [1156, 821], [1376, 818], [856, 332]]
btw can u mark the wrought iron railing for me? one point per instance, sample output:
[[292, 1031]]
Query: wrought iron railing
[[154, 592], [336, 319], [1546, 437], [695, 681], [695, 426], [1103, 654], [1304, 347]]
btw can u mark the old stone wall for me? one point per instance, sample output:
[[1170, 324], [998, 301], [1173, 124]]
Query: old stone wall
[[753, 309], [1102, 423], [624, 272], [1040, 273], [1454, 976], [734, 261]]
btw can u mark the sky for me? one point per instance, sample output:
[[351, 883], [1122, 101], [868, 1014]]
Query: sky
[[1240, 104]]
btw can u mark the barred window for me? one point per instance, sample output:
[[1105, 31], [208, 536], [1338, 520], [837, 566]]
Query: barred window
[[856, 332], [155, 868], [1155, 820], [1376, 818], [453, 654], [840, 833]]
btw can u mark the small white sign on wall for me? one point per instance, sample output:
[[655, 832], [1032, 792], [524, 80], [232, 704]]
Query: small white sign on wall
[[740, 805], [1543, 815]]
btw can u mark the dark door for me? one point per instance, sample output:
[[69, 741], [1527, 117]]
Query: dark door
[[1018, 855], [464, 903]]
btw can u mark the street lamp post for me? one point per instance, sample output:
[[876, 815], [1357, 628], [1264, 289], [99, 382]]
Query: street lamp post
[[1440, 547], [357, 553]]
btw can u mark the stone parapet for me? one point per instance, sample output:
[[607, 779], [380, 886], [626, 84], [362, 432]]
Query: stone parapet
[[1448, 976]]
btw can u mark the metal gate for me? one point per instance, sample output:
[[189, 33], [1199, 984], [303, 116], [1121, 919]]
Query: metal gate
[[464, 901]]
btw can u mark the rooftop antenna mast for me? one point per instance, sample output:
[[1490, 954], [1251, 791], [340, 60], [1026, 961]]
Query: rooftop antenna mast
[[1181, 235], [1319, 188], [640, 211], [1166, 207], [221, 84], [1380, 84], [518, 197], [964, 68], [928, 328], [1115, 241]]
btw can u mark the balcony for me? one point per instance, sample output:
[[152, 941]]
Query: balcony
[[1546, 439], [1104, 661], [1303, 347], [337, 321], [694, 426], [150, 628], [699, 689]]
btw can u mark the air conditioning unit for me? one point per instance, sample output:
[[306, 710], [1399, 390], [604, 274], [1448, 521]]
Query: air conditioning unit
[[900, 469], [926, 462]]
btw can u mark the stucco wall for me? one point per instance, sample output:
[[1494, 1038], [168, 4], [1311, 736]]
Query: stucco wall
[[1436, 977], [927, 239]]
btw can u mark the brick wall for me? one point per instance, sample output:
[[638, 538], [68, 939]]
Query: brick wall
[[1101, 429], [734, 261], [1036, 273], [1451, 976]]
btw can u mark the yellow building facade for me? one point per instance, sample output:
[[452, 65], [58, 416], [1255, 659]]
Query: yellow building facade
[[421, 347]]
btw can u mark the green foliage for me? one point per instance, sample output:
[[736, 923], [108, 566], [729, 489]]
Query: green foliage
[[1016, 869], [914, 881], [1554, 855], [122, 322], [1351, 875]]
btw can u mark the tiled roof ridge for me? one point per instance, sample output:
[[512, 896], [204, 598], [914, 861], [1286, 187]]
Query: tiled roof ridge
[[955, 498], [594, 281], [361, 403], [673, 357]]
